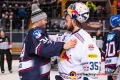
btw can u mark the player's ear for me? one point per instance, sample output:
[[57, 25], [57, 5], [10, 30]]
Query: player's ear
[[73, 22]]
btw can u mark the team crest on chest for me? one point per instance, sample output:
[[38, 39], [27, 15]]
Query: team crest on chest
[[90, 47]]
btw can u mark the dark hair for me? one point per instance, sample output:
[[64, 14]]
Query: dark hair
[[78, 23], [2, 30], [98, 29]]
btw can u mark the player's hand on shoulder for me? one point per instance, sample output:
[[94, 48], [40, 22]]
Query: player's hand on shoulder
[[70, 44]]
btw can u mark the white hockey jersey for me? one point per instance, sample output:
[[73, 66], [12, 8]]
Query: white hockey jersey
[[82, 61]]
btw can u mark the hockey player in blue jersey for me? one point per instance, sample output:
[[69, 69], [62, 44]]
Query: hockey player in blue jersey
[[111, 48], [38, 49]]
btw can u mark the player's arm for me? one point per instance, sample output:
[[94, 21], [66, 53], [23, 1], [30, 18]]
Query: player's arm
[[118, 62], [59, 37], [56, 37], [53, 37], [9, 43], [43, 46], [118, 48]]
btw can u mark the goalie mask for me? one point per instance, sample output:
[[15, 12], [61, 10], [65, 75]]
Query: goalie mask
[[78, 11]]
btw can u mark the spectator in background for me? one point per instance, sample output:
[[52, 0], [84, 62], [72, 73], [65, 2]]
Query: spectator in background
[[15, 10], [91, 6], [4, 8], [28, 10], [56, 26], [15, 17], [7, 13], [98, 34], [59, 9], [49, 9], [54, 8], [21, 12], [3, 22], [62, 23], [118, 6], [6, 49], [10, 9], [103, 11], [28, 14], [7, 23], [99, 38], [99, 10]]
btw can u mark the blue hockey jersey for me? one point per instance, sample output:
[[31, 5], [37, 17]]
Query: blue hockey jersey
[[36, 53], [110, 50]]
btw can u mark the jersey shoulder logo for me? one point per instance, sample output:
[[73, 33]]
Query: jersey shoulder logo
[[110, 37], [37, 33]]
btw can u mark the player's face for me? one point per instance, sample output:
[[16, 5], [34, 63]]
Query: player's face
[[68, 23], [43, 23], [2, 33]]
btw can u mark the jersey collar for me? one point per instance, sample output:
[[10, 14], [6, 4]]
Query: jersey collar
[[75, 31]]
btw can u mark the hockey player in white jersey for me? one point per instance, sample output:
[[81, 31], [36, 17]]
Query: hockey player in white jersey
[[83, 61]]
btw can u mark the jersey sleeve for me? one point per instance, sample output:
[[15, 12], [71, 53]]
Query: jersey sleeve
[[43, 46], [118, 49], [60, 37], [53, 37], [56, 38], [118, 43], [9, 43]]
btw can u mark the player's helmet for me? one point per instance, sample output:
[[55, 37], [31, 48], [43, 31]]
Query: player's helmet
[[115, 21], [79, 11]]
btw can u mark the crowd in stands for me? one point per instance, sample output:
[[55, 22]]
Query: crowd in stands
[[97, 9], [56, 26], [52, 8], [18, 12]]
